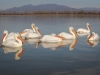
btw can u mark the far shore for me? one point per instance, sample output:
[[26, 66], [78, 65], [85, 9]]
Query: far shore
[[49, 14]]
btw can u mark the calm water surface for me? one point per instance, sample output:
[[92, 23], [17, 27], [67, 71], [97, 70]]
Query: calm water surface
[[48, 58]]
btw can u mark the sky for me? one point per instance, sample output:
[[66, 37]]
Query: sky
[[5, 4]]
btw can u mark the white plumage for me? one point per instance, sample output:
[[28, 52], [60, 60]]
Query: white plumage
[[65, 35]]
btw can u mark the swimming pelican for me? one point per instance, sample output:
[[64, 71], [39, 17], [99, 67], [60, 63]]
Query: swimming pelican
[[93, 36], [35, 34], [10, 36], [18, 51], [13, 43], [23, 33], [65, 35], [51, 38], [82, 30]]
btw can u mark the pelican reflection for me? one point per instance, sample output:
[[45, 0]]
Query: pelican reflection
[[93, 43], [52, 46], [18, 51], [72, 43], [33, 41]]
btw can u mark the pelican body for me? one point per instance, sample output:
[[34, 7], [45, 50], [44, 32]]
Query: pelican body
[[50, 38], [82, 30], [65, 35], [31, 33], [10, 36], [17, 42]]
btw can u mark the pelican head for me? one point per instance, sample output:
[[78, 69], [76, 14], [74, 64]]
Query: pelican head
[[71, 29], [4, 35], [5, 32], [88, 26], [33, 27]]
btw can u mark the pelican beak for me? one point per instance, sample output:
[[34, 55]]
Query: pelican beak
[[89, 27], [75, 33], [40, 33], [3, 36], [34, 28], [21, 39]]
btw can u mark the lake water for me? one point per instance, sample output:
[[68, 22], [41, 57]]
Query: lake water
[[48, 58]]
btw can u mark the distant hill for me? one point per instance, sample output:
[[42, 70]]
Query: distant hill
[[46, 7]]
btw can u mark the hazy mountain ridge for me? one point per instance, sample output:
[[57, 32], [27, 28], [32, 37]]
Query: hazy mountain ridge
[[45, 7]]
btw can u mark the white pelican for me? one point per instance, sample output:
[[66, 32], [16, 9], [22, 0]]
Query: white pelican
[[18, 51], [13, 43], [93, 36], [23, 33], [93, 43], [10, 36], [82, 30], [36, 34], [31, 33], [51, 38], [67, 35]]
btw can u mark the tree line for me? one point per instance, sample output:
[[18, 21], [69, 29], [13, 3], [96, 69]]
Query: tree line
[[75, 12]]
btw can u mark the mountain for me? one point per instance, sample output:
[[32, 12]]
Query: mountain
[[46, 7], [90, 8]]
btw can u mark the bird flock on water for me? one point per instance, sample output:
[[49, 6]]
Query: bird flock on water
[[11, 42], [17, 39]]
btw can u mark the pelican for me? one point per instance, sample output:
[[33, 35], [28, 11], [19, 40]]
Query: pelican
[[10, 36], [82, 30], [93, 36], [13, 43], [31, 33], [23, 33], [18, 51], [35, 34], [65, 35], [51, 38], [93, 43]]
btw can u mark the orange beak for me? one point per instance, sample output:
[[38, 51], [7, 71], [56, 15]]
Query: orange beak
[[40, 33], [3, 36], [75, 33], [21, 39]]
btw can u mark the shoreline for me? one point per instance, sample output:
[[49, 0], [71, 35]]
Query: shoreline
[[51, 15]]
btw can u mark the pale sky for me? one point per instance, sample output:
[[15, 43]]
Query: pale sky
[[5, 4]]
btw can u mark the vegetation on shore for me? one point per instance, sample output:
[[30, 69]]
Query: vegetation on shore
[[77, 12]]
